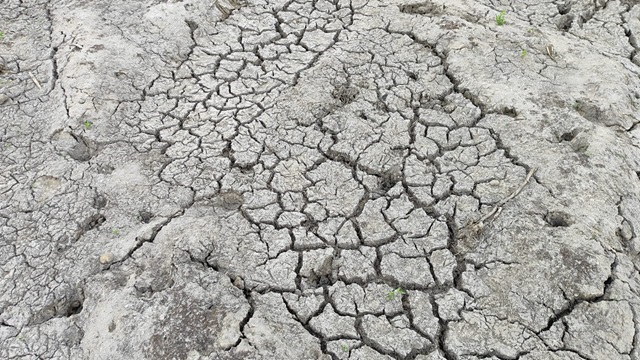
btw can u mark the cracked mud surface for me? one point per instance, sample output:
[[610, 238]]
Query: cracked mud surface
[[326, 179]]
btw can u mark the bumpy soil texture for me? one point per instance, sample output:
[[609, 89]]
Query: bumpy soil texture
[[320, 179]]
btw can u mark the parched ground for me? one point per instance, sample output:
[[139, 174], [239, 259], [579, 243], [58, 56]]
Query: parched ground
[[319, 179]]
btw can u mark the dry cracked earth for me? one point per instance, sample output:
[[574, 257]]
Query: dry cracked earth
[[319, 179]]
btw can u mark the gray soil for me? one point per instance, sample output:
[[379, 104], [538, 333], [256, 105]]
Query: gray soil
[[319, 179]]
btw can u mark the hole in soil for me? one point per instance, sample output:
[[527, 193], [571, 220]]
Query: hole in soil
[[192, 25], [564, 8], [324, 280], [145, 216], [567, 136], [509, 111], [99, 201], [75, 307], [93, 222], [387, 184], [81, 151], [388, 180], [310, 224], [71, 304], [570, 135], [558, 219], [564, 22]]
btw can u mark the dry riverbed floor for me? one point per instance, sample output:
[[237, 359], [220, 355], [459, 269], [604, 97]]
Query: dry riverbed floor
[[320, 179]]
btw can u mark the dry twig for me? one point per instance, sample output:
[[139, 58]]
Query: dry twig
[[478, 225], [35, 81]]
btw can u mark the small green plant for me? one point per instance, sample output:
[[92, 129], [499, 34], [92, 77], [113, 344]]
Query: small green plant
[[523, 53], [577, 105], [500, 18], [345, 348], [1, 35], [115, 232], [87, 124], [396, 292]]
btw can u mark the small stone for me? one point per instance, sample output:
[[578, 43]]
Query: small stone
[[238, 282], [625, 231], [106, 258]]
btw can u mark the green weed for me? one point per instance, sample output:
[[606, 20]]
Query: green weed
[[523, 53], [345, 348], [115, 232], [87, 124], [577, 105], [396, 292], [1, 35], [500, 18]]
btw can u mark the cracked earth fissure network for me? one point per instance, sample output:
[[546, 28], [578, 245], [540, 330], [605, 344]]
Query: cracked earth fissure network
[[326, 179]]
